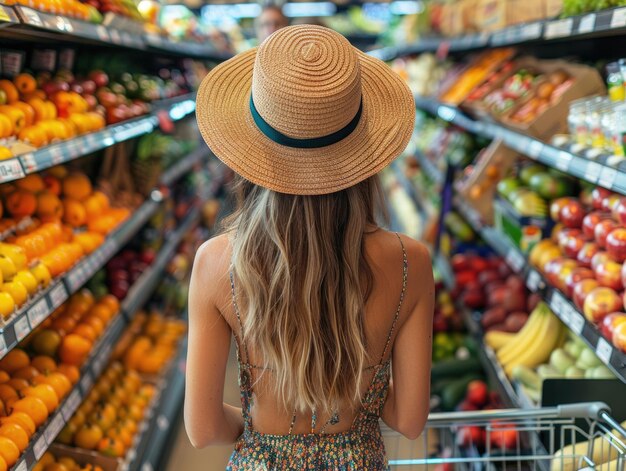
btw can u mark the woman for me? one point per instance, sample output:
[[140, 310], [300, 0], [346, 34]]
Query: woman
[[323, 304]]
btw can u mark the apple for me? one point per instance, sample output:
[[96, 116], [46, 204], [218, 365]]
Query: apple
[[120, 289], [564, 233], [488, 276], [556, 230], [100, 78], [609, 274], [572, 214], [532, 301], [557, 205], [498, 296], [598, 195], [556, 267], [619, 336], [616, 244], [474, 299], [477, 393], [598, 258], [582, 289], [586, 253], [608, 324], [591, 220], [600, 302], [77, 88], [115, 115], [465, 277], [619, 211], [610, 203], [572, 245], [92, 102], [504, 436], [576, 275], [89, 87], [602, 231], [148, 256]]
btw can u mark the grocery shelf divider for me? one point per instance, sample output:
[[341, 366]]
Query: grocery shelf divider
[[573, 319], [560, 159], [64, 151], [610, 22], [7, 15]]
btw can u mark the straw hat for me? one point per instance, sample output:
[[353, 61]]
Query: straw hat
[[305, 113]]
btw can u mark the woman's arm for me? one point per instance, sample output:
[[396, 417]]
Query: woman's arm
[[208, 420], [407, 405]]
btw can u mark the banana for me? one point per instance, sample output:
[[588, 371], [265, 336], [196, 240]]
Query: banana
[[496, 339], [524, 336]]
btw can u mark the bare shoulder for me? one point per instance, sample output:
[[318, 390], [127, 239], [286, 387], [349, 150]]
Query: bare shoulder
[[211, 266], [384, 245]]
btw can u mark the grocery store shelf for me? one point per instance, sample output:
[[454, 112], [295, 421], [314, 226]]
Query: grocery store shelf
[[31, 24], [429, 167], [613, 358], [64, 151], [561, 159], [445, 270], [185, 165], [611, 22], [44, 303]]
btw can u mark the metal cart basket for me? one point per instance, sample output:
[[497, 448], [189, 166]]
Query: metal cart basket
[[564, 438]]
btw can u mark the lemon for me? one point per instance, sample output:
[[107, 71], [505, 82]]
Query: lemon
[[7, 267], [5, 153], [28, 280], [17, 290], [7, 305], [15, 253], [41, 274]]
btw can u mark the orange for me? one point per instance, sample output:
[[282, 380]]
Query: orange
[[42, 274], [33, 135], [64, 324], [130, 425], [74, 349], [32, 182], [51, 110], [111, 447], [27, 373], [7, 393], [25, 83], [9, 451], [86, 241], [77, 185], [6, 126], [14, 360], [46, 393], [3, 464], [29, 112], [111, 302], [122, 434], [4, 377], [47, 458], [104, 312], [16, 434], [88, 437], [86, 331], [46, 342], [33, 407], [39, 105], [16, 115], [49, 205], [74, 212], [18, 384], [21, 419], [44, 364], [21, 203], [9, 88], [95, 322], [71, 372], [59, 383]]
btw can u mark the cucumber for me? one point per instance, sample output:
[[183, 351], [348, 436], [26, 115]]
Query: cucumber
[[454, 392], [455, 368], [438, 386]]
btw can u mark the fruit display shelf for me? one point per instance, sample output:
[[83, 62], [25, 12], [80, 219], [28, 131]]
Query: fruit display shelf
[[64, 151], [561, 159], [409, 188], [28, 23], [184, 166], [611, 22], [429, 168], [613, 358], [101, 353], [442, 265]]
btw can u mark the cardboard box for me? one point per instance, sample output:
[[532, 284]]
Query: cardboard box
[[452, 20], [492, 15], [553, 8], [83, 457]]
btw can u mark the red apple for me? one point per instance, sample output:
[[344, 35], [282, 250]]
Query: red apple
[[608, 324], [504, 436], [460, 262], [115, 115], [598, 195], [581, 290], [474, 299], [619, 336], [609, 274], [564, 233], [598, 258], [554, 269], [477, 393], [572, 214], [575, 276], [616, 244], [619, 211], [89, 87], [556, 232], [591, 220], [561, 276], [602, 231], [601, 302], [557, 205], [610, 203], [572, 245], [586, 253], [100, 78]]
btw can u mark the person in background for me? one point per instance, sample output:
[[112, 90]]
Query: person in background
[[269, 21]]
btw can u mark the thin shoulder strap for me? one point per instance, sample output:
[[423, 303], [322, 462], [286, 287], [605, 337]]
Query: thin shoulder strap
[[237, 313], [405, 266]]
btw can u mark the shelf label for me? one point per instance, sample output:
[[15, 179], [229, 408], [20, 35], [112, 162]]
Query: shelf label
[[563, 161], [10, 169], [3, 345], [534, 149], [21, 328], [531, 31], [101, 359], [515, 260], [102, 33], [592, 172], [54, 427], [557, 302], [115, 36], [559, 29], [607, 177], [21, 466], [38, 312], [32, 17], [56, 155], [86, 382], [587, 24], [4, 16], [162, 422], [40, 447], [71, 404], [534, 281], [618, 20], [64, 24], [576, 322], [604, 350], [58, 295]]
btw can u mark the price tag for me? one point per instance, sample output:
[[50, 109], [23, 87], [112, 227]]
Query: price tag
[[71, 404], [607, 177], [40, 447], [101, 359], [56, 155], [534, 149], [58, 295], [63, 24], [21, 466], [515, 260], [163, 422], [592, 172], [534, 281], [147, 467], [75, 278], [102, 33], [618, 20], [86, 382], [563, 161], [115, 36], [10, 169], [587, 24], [38, 312], [604, 350], [3, 345], [559, 29], [4, 16], [66, 59], [31, 17], [12, 62], [21, 327], [53, 428], [577, 323], [557, 302], [531, 31]]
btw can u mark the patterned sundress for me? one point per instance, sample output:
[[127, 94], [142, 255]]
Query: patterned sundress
[[360, 448]]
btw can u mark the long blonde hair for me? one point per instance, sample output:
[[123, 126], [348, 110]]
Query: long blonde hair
[[302, 281]]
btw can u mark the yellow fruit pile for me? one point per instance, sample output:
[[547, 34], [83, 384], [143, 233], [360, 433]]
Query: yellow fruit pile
[[49, 462], [109, 417]]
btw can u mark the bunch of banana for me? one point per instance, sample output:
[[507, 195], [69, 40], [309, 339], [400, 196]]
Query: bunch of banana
[[531, 346]]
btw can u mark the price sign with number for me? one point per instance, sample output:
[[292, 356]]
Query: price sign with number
[[618, 20], [531, 31], [40, 447], [10, 169], [58, 295], [31, 17], [587, 24], [22, 329], [54, 427], [576, 322], [21, 466], [3, 345], [563, 161], [38, 312], [534, 281], [604, 351], [72, 403], [559, 29], [607, 177], [592, 172], [515, 260], [557, 302]]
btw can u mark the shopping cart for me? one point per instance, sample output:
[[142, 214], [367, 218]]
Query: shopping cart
[[564, 438]]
